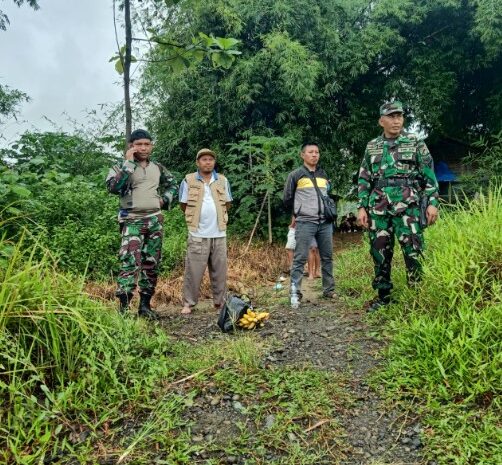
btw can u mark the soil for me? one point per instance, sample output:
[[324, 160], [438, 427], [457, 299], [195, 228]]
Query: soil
[[328, 336]]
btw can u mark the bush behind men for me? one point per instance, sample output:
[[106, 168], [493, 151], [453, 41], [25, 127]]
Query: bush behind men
[[396, 170]]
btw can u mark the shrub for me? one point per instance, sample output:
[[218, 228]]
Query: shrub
[[446, 348], [67, 361]]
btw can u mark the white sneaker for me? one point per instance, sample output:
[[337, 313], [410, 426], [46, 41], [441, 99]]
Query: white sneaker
[[295, 302]]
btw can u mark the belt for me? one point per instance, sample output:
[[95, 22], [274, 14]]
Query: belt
[[390, 182]]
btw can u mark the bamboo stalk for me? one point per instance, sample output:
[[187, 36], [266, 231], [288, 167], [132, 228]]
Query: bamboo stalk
[[256, 223]]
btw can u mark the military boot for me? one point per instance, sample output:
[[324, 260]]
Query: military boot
[[145, 310], [124, 300], [382, 300]]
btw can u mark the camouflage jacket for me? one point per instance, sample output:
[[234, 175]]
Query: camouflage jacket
[[405, 158], [118, 181]]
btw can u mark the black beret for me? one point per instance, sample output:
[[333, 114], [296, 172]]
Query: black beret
[[139, 134]]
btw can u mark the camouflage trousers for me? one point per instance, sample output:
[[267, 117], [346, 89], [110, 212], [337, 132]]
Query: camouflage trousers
[[140, 254], [383, 231]]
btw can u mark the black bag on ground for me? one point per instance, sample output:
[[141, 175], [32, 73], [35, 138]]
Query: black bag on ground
[[232, 312]]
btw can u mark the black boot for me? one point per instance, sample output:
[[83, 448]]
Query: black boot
[[144, 309], [124, 299], [382, 300]]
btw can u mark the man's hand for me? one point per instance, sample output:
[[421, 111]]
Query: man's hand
[[129, 155], [362, 217], [432, 214]]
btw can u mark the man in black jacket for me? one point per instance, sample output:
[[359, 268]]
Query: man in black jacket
[[302, 196]]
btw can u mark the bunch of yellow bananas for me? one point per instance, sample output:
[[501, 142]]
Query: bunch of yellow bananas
[[251, 319]]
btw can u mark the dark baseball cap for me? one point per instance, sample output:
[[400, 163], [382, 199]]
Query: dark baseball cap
[[139, 134], [393, 107]]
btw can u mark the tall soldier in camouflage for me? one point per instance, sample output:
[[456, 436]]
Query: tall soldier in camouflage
[[145, 188], [396, 172]]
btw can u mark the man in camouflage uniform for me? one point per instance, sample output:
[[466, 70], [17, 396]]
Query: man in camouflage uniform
[[396, 170], [144, 187]]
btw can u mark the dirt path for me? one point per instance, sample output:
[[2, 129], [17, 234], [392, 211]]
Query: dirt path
[[327, 336]]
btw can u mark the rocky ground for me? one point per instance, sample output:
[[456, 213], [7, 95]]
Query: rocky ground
[[327, 336]]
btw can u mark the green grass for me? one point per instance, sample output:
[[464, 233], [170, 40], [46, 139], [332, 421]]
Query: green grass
[[80, 384], [445, 350], [68, 365]]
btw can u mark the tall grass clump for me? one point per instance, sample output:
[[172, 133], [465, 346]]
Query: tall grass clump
[[446, 349], [69, 367]]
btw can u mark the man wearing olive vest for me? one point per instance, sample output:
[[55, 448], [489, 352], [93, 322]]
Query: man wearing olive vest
[[205, 199]]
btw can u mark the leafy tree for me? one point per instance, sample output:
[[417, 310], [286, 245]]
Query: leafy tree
[[4, 20], [484, 163], [40, 153], [322, 68], [11, 98], [259, 165], [221, 51]]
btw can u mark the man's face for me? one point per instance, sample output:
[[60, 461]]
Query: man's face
[[206, 164], [392, 124], [310, 154], [143, 148]]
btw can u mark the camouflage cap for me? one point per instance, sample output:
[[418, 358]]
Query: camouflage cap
[[203, 152], [392, 107]]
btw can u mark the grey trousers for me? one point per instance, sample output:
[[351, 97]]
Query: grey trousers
[[205, 253], [323, 234]]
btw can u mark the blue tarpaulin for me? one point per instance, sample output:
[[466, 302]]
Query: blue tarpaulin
[[443, 173]]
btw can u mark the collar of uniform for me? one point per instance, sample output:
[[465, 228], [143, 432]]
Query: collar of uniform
[[214, 176], [403, 137]]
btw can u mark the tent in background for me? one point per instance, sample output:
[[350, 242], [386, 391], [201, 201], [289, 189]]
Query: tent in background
[[445, 177]]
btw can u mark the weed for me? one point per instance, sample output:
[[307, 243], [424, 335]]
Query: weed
[[446, 333]]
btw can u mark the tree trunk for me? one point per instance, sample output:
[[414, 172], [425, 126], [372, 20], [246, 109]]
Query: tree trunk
[[127, 69], [256, 223], [269, 208]]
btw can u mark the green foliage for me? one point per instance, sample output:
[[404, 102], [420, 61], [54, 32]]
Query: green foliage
[[55, 188], [259, 166], [10, 98], [118, 59], [74, 154], [323, 74], [76, 377], [66, 361], [77, 221], [175, 239], [445, 336], [220, 52], [4, 20], [485, 163]]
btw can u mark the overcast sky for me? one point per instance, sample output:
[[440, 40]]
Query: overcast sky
[[58, 55]]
